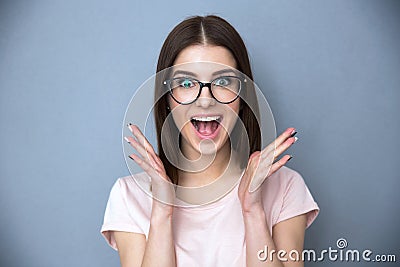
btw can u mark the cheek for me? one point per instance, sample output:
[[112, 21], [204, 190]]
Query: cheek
[[232, 115], [171, 102], [234, 107], [178, 113]]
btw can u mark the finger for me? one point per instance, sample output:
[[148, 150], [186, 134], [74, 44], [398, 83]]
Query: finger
[[156, 177], [259, 176], [143, 152], [289, 132], [141, 138], [252, 164], [144, 142], [284, 146], [253, 169], [277, 165], [266, 172]]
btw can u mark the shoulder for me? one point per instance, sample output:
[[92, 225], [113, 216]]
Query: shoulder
[[131, 192], [282, 179], [128, 208], [277, 186], [286, 192], [286, 173], [135, 183]]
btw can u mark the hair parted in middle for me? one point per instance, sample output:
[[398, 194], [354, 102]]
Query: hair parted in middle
[[213, 31]]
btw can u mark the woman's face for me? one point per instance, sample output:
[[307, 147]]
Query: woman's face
[[204, 124]]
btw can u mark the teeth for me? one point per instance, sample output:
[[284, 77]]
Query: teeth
[[213, 118]]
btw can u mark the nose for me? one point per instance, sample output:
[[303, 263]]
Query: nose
[[205, 99]]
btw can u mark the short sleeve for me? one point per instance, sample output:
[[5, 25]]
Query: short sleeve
[[297, 200], [122, 213]]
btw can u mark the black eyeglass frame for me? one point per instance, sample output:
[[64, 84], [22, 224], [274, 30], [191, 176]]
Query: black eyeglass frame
[[202, 84]]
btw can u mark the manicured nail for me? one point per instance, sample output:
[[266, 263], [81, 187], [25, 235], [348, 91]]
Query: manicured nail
[[126, 139], [130, 126], [289, 158], [130, 157], [293, 133], [295, 139]]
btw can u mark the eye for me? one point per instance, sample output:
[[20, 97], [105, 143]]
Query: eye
[[222, 81], [186, 83]]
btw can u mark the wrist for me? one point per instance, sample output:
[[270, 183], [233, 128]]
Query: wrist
[[256, 212], [161, 213]]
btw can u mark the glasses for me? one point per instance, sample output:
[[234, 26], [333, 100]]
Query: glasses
[[186, 90]]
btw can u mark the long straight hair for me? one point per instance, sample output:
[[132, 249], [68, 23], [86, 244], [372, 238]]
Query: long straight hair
[[207, 30]]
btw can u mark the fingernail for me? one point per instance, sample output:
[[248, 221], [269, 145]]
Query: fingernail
[[130, 126], [293, 133], [295, 139], [126, 139], [289, 158], [130, 157]]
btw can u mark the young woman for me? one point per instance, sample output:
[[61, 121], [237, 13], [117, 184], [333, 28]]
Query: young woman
[[268, 207]]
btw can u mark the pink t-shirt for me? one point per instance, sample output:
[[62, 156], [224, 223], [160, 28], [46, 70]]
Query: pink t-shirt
[[212, 234]]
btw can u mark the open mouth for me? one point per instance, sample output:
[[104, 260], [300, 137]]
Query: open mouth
[[206, 125]]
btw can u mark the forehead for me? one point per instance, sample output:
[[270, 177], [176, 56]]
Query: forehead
[[208, 53], [204, 62]]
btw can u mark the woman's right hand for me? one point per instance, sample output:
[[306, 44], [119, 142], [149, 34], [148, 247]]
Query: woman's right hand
[[162, 189]]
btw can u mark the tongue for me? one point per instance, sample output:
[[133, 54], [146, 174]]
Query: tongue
[[207, 127]]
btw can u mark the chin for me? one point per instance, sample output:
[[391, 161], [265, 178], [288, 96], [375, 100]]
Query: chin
[[209, 147]]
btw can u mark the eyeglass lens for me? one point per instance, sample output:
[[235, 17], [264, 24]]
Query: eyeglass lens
[[224, 89]]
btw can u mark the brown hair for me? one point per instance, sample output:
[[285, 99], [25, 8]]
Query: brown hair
[[207, 30]]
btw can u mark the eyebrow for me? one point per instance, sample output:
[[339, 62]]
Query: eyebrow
[[189, 73], [184, 72], [224, 71]]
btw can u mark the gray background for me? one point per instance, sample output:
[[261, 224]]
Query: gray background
[[69, 68]]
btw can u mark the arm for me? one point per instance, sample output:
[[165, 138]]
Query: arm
[[287, 235], [257, 235], [159, 249], [131, 247]]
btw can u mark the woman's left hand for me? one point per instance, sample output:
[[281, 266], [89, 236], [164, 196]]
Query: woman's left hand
[[260, 166]]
